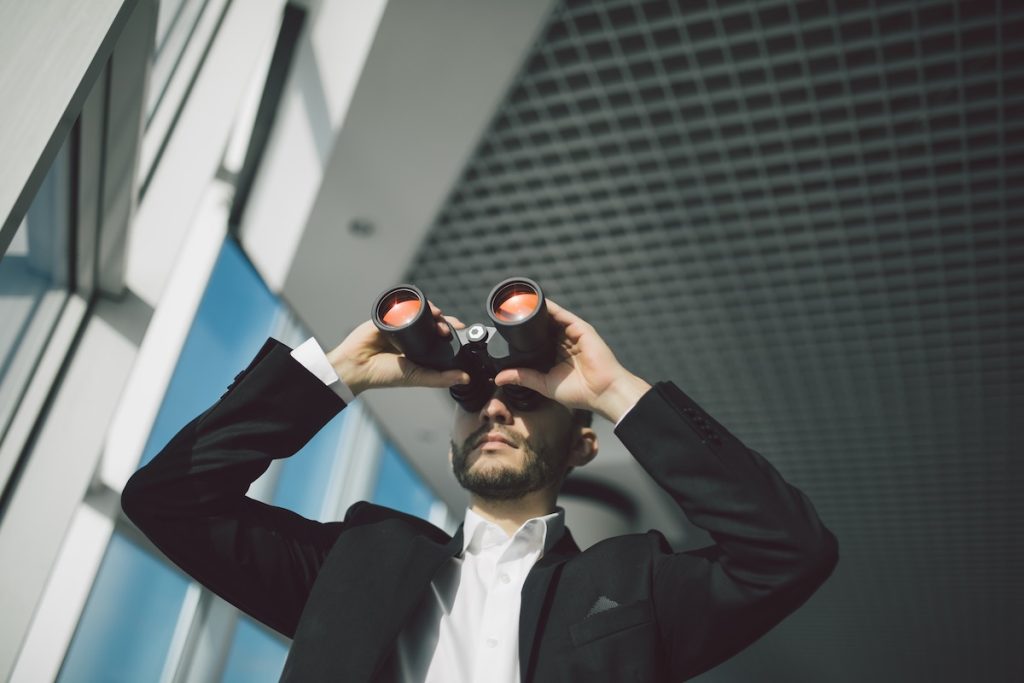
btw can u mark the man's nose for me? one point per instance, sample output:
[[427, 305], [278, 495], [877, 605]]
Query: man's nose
[[496, 411]]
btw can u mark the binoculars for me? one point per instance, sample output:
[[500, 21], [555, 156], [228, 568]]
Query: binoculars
[[519, 337]]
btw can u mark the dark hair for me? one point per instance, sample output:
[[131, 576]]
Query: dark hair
[[582, 418]]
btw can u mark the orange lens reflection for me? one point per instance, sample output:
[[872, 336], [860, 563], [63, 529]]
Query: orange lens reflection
[[516, 303], [401, 309]]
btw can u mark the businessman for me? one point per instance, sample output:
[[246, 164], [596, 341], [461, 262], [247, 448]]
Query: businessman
[[383, 596]]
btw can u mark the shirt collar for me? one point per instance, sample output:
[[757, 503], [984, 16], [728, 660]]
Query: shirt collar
[[480, 533]]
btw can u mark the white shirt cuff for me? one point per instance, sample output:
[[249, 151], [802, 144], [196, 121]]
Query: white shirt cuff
[[312, 357], [623, 416]]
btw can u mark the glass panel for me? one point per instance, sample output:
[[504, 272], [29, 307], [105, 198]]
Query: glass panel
[[235, 317], [129, 619], [400, 487], [305, 481], [256, 655], [176, 21], [34, 282]]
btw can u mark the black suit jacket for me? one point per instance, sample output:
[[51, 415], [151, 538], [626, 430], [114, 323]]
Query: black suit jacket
[[343, 590]]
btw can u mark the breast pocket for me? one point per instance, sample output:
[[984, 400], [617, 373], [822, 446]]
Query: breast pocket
[[612, 621]]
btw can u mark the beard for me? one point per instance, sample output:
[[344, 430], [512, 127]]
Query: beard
[[541, 467]]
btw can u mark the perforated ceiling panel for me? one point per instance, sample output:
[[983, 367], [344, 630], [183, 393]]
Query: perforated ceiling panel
[[808, 215]]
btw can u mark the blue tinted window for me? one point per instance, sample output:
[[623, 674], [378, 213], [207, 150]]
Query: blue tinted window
[[400, 487], [256, 655], [129, 618], [236, 315], [305, 478], [234, 319]]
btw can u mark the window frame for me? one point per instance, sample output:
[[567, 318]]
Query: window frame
[[101, 180]]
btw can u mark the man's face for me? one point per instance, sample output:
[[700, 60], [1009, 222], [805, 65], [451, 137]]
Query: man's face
[[500, 453]]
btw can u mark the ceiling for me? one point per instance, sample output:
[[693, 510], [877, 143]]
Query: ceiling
[[807, 215]]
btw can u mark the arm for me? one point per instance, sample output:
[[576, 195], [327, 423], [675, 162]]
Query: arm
[[771, 551], [190, 500]]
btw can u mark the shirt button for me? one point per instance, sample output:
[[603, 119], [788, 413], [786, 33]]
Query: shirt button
[[492, 642], [504, 578]]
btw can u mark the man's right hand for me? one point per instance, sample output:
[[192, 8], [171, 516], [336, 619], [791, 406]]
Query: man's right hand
[[368, 360]]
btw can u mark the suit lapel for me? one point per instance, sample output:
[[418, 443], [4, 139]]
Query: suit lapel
[[535, 598], [371, 618], [426, 557]]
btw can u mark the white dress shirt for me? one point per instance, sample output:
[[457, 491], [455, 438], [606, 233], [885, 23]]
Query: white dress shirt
[[466, 627]]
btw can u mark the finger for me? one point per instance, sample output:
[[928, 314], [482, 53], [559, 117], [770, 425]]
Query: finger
[[562, 314], [435, 310], [450, 378], [419, 376], [524, 377], [442, 326], [573, 324], [456, 323]]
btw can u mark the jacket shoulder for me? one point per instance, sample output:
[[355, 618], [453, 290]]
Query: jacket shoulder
[[364, 513]]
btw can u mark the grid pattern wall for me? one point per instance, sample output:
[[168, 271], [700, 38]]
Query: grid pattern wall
[[808, 215]]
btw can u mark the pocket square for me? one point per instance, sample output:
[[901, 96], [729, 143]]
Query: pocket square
[[602, 604]]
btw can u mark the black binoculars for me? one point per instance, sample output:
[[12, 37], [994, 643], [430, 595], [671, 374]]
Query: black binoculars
[[519, 338]]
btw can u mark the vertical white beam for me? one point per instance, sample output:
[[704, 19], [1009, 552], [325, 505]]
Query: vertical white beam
[[64, 597], [326, 68], [194, 150], [58, 469], [164, 338]]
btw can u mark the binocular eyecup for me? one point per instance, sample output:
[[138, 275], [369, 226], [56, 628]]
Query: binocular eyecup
[[519, 337]]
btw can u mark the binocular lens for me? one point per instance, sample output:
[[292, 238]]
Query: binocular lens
[[399, 308], [515, 302]]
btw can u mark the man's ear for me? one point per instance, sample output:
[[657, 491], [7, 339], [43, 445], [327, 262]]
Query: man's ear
[[584, 447]]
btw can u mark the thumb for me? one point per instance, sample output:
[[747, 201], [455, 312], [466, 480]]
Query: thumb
[[524, 377]]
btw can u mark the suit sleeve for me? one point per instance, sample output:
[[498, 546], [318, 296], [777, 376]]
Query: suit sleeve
[[771, 550], [190, 500]]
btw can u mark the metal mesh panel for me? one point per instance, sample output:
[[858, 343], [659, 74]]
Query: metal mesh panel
[[807, 214]]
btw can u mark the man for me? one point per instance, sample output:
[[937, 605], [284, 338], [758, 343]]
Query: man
[[383, 596]]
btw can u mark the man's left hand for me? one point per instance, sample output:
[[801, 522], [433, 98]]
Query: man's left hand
[[586, 373]]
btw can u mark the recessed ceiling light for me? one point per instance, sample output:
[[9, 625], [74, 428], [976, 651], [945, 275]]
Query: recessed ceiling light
[[361, 227]]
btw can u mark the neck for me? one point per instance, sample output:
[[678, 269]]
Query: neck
[[509, 515]]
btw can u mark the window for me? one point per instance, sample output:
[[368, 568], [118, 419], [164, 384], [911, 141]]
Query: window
[[256, 655], [236, 315], [309, 482], [176, 23], [139, 601], [107, 646], [234, 319], [34, 282], [400, 487]]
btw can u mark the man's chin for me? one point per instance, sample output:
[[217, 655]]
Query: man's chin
[[490, 470], [495, 482], [486, 492]]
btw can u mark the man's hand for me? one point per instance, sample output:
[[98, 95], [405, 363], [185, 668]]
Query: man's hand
[[586, 373], [367, 359]]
